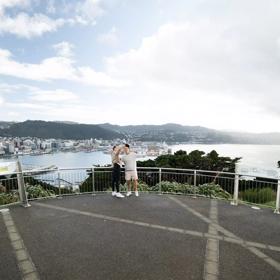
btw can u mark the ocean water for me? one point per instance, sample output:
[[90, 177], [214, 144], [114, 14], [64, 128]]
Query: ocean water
[[265, 156]]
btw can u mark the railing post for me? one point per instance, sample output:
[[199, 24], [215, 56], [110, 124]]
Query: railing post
[[277, 209], [21, 186], [93, 182], [59, 183], [159, 179], [236, 187], [195, 182]]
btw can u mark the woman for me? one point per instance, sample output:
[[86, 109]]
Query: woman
[[116, 162]]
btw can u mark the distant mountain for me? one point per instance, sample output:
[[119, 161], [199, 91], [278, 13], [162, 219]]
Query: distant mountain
[[256, 138], [67, 122], [192, 134], [42, 129], [169, 133], [5, 124]]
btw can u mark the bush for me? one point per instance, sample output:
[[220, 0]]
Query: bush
[[38, 191], [6, 198], [31, 181], [174, 187], [260, 196], [142, 187], [213, 190]]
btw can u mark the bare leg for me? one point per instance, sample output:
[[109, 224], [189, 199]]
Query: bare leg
[[128, 185], [135, 184]]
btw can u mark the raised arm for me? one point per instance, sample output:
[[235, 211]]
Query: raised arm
[[119, 149]]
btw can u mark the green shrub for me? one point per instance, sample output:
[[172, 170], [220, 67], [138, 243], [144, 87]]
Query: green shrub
[[213, 190], [174, 187], [6, 198], [142, 187], [258, 195], [46, 186], [38, 191]]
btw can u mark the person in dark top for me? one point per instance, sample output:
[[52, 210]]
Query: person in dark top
[[116, 162]]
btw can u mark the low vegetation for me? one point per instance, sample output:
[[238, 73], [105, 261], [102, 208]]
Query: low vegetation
[[38, 191], [258, 196], [208, 190], [7, 198]]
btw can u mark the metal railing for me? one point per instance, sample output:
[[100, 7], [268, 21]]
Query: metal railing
[[20, 186]]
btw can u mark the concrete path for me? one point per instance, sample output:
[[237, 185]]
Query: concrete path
[[149, 237]]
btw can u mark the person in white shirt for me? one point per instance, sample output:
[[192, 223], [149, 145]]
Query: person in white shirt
[[129, 159]]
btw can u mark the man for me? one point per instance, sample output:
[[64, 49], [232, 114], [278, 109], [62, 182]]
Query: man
[[129, 160], [116, 174]]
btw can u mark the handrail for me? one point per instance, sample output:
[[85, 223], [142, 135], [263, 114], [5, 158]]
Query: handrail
[[26, 172], [160, 171]]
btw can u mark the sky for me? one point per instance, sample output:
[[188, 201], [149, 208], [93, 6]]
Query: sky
[[193, 62]]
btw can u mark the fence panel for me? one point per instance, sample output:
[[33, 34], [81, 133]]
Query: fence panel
[[56, 182], [8, 189]]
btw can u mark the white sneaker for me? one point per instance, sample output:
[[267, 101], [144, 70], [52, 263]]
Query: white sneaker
[[119, 195], [128, 194], [136, 193], [114, 193]]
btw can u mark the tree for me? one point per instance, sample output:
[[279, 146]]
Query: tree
[[194, 160], [180, 153]]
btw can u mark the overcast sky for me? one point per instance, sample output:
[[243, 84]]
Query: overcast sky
[[197, 62]]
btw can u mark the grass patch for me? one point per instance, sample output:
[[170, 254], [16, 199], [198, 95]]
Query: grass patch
[[265, 196]]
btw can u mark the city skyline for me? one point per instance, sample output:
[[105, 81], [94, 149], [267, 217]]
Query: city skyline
[[141, 62]]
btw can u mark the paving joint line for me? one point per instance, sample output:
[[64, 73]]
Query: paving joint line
[[211, 263], [156, 226], [232, 236], [25, 264]]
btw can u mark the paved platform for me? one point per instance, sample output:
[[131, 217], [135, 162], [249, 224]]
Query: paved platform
[[149, 237]]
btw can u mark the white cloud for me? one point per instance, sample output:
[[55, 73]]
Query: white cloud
[[26, 26], [89, 76], [25, 105], [218, 69], [56, 68], [51, 8], [90, 10], [13, 114], [110, 38], [57, 111], [8, 89], [49, 69], [1, 100], [178, 54], [64, 49], [37, 94], [57, 95], [36, 100], [5, 4], [201, 65]]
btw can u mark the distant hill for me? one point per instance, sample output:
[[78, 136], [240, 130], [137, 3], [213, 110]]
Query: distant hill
[[170, 133], [42, 129], [192, 134], [256, 138], [5, 124]]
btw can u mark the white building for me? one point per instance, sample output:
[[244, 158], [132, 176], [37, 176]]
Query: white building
[[69, 144], [11, 148]]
